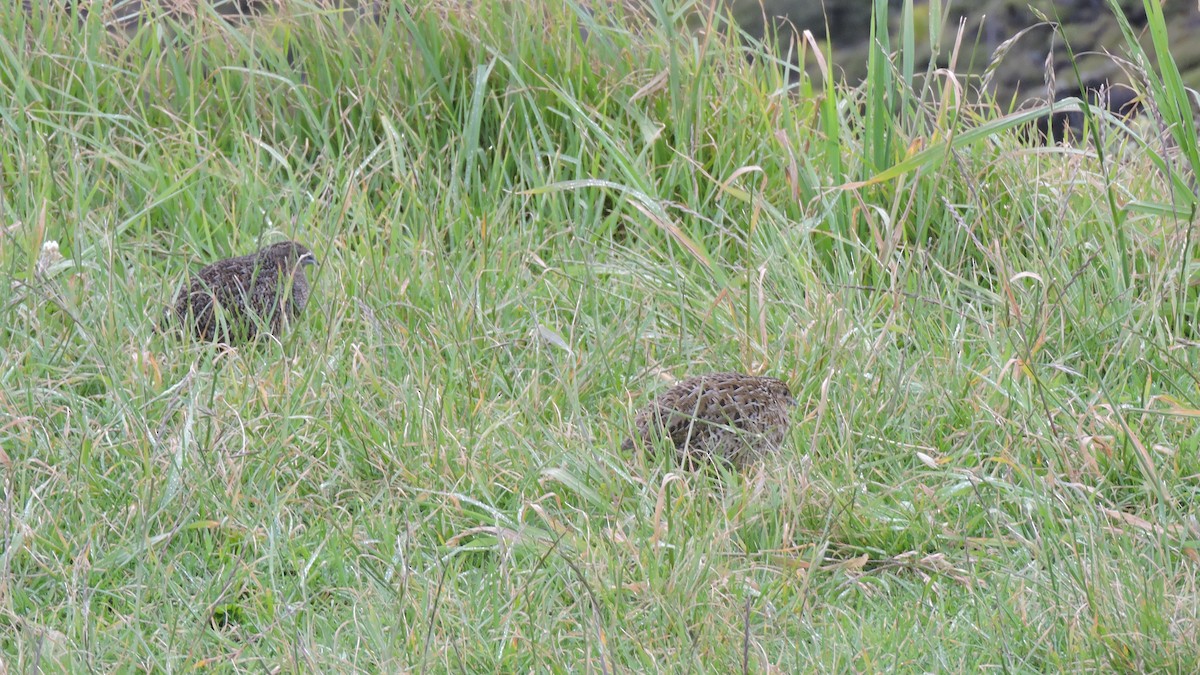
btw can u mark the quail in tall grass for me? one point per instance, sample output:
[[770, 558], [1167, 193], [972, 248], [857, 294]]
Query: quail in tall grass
[[236, 299], [724, 417]]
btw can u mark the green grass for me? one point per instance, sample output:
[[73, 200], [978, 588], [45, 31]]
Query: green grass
[[521, 232]]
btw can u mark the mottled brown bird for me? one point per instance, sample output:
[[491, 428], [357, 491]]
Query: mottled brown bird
[[235, 299], [724, 416]]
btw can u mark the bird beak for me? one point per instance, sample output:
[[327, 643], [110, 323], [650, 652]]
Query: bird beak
[[309, 259]]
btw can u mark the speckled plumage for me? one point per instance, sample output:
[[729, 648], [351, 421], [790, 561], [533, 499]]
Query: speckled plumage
[[727, 416], [231, 300]]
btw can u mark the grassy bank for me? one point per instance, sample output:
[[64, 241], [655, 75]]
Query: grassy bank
[[523, 234]]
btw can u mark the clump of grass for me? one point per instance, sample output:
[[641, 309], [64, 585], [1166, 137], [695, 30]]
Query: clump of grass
[[520, 230]]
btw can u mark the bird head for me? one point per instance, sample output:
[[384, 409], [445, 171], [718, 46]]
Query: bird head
[[784, 392], [292, 253]]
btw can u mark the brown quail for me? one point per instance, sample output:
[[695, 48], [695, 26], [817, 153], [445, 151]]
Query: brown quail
[[727, 417], [233, 300]]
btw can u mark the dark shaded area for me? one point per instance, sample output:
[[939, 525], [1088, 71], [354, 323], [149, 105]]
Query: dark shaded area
[[1087, 26], [1060, 126]]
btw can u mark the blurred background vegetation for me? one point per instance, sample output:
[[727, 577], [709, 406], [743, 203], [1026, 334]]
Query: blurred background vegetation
[[1089, 29]]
